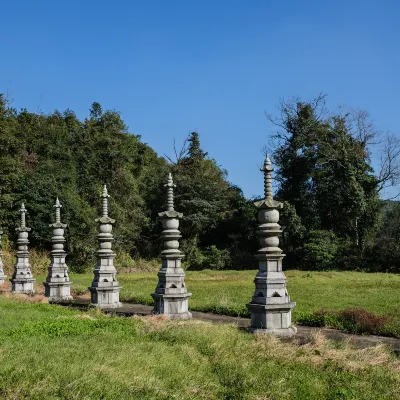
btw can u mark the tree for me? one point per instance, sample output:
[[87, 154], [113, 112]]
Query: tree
[[215, 212], [324, 170]]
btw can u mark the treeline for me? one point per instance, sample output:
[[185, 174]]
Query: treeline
[[44, 156], [333, 217]]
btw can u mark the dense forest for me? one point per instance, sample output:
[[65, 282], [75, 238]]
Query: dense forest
[[333, 216]]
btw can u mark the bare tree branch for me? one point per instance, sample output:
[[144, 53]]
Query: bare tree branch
[[182, 153], [389, 174]]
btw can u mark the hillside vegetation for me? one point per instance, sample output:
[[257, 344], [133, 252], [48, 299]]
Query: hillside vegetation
[[333, 217]]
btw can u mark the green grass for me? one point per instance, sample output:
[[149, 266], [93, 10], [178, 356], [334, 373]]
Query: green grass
[[53, 352], [227, 292]]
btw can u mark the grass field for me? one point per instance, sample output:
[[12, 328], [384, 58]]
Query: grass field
[[227, 292], [53, 352]]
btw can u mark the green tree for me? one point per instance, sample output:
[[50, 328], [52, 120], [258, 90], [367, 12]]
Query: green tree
[[324, 171]]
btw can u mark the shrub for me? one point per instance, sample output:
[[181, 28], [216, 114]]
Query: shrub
[[353, 320], [194, 258], [217, 259], [123, 261], [319, 250]]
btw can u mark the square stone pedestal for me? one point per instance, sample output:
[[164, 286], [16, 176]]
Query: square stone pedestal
[[174, 306], [272, 318], [57, 291], [25, 286], [107, 297]]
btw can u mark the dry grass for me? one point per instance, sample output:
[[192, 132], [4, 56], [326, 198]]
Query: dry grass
[[59, 352], [37, 297], [319, 350], [27, 298], [39, 261]]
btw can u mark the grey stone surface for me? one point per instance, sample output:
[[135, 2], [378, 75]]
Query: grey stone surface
[[22, 279], [57, 286], [171, 295], [270, 307], [2, 276], [105, 287]]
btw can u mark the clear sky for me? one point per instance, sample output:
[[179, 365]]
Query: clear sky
[[174, 66]]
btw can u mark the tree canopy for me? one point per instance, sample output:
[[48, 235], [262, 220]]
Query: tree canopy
[[45, 156], [325, 174]]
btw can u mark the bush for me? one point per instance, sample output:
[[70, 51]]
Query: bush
[[194, 258], [217, 259], [353, 320], [319, 250]]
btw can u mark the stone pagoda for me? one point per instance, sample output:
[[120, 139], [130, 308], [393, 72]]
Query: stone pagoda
[[105, 288], [2, 276], [22, 280], [270, 307], [171, 295], [57, 286]]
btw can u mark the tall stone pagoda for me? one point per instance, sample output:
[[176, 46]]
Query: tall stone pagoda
[[2, 276], [105, 288], [270, 307], [57, 286], [22, 280], [171, 295]]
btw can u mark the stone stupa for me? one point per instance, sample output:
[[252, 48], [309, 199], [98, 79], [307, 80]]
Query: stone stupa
[[171, 295], [57, 286], [2, 276], [105, 287], [270, 307], [22, 279]]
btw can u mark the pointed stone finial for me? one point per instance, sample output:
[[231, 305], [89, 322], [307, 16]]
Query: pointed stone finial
[[267, 169], [57, 206], [170, 195], [23, 212], [105, 197]]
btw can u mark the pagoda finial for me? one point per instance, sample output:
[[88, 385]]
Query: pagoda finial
[[170, 196], [105, 197], [267, 169], [57, 206], [23, 212]]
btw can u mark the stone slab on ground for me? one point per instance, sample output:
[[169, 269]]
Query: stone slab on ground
[[303, 332]]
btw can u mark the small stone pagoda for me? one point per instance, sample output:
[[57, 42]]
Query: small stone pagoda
[[2, 276], [105, 288], [22, 280], [171, 295], [270, 307], [57, 286]]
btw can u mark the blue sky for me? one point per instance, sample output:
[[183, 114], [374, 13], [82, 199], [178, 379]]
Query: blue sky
[[216, 67]]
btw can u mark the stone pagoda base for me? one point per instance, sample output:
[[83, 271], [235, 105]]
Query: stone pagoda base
[[107, 297], [57, 291], [3, 279], [174, 306], [272, 318], [22, 286]]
